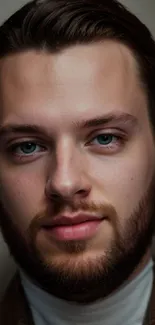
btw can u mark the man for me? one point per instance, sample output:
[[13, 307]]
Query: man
[[77, 164]]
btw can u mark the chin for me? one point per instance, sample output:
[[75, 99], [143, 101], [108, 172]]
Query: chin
[[82, 264]]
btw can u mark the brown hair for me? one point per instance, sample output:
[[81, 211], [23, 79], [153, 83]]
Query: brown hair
[[56, 24]]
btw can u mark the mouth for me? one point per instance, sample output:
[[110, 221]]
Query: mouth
[[80, 227]]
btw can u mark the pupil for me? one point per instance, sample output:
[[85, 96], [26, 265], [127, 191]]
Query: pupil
[[28, 147], [105, 138]]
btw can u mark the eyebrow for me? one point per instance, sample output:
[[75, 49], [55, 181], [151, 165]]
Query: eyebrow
[[109, 118], [123, 118]]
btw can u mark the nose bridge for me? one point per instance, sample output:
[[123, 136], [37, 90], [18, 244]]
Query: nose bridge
[[66, 162], [67, 175]]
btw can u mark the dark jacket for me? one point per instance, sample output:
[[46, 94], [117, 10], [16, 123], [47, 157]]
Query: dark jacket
[[14, 308]]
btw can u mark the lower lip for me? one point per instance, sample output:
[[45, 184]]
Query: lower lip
[[80, 231]]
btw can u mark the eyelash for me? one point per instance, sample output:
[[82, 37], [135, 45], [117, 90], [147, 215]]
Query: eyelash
[[118, 142], [13, 148]]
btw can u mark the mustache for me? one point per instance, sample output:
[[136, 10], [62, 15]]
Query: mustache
[[48, 213]]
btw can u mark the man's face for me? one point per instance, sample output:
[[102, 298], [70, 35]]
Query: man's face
[[63, 166]]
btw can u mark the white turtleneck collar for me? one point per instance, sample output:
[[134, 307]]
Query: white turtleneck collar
[[126, 307]]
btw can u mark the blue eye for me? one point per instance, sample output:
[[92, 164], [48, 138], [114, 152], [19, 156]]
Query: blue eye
[[105, 139], [26, 148]]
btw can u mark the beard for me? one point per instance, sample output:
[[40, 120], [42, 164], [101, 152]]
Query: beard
[[81, 279]]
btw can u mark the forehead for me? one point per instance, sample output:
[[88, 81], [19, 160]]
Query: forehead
[[89, 60], [77, 80]]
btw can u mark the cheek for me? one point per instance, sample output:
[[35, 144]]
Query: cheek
[[123, 181], [21, 195]]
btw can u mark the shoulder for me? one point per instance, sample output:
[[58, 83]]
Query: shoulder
[[14, 307]]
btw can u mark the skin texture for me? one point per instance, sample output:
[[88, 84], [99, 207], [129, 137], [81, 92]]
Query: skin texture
[[72, 169]]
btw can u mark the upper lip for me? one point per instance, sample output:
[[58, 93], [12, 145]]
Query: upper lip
[[64, 220]]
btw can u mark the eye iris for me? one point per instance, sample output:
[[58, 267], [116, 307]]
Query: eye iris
[[28, 147], [105, 139]]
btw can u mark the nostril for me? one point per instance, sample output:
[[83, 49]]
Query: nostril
[[55, 196], [83, 193]]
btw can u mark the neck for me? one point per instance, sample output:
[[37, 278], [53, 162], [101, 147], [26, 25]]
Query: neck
[[144, 261], [133, 296]]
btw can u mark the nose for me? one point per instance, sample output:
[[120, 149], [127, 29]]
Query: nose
[[68, 179]]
